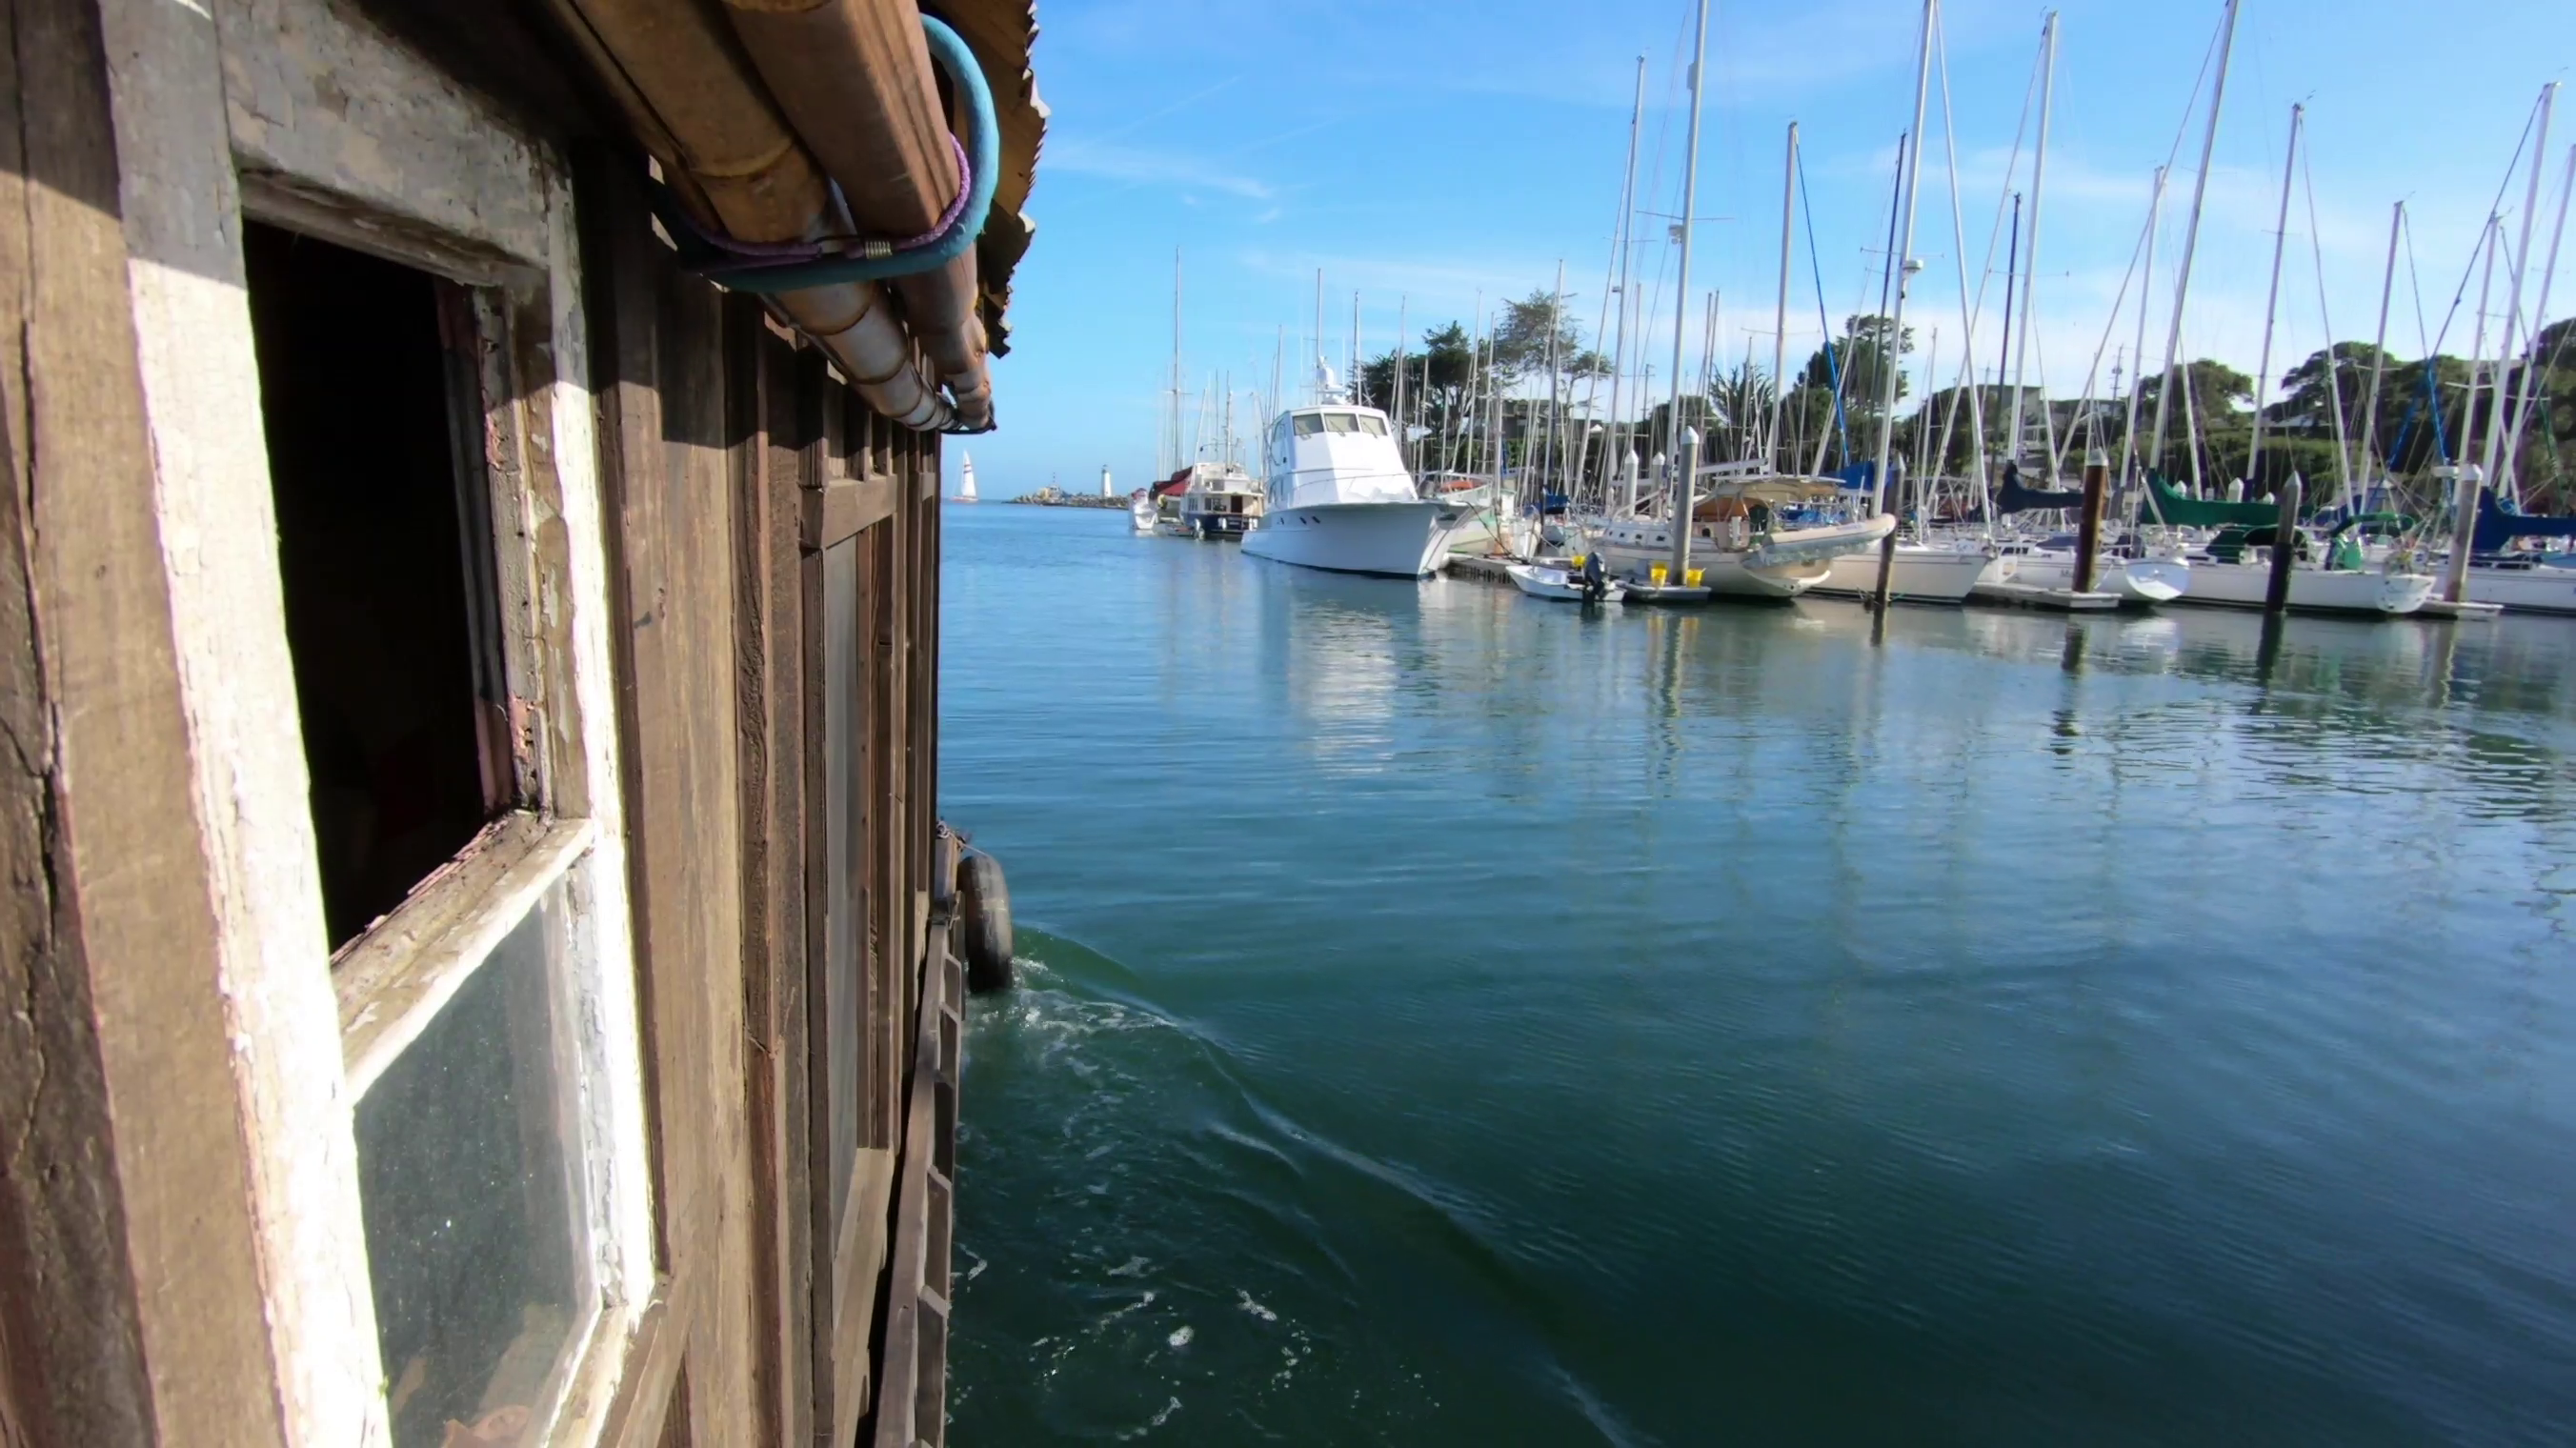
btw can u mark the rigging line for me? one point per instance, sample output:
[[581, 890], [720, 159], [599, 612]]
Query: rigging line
[[2495, 212], [1959, 235], [2057, 458], [2334, 369], [1833, 363]]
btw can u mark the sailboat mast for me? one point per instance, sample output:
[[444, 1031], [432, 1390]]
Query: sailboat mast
[[2191, 234], [1683, 460], [1619, 240], [2003, 344], [2464, 501], [1555, 329], [2508, 486], [2030, 269], [2379, 357], [2512, 339], [1780, 318], [1911, 160], [1403, 319], [2272, 300], [1178, 460], [1358, 383], [2137, 374]]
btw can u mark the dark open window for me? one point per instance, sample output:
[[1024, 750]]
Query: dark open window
[[384, 544]]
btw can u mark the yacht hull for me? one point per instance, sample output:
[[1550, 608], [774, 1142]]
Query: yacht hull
[[1398, 540], [2312, 590]]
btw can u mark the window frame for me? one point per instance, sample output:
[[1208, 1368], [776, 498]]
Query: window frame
[[270, 1334], [561, 832]]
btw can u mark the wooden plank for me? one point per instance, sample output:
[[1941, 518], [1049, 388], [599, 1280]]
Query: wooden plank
[[790, 432], [774, 1357], [72, 1368], [844, 508], [916, 1311], [346, 135], [664, 401], [147, 1249]]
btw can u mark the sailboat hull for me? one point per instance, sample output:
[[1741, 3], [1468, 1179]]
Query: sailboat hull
[[1924, 575], [2312, 590], [2541, 589], [2144, 581], [1400, 540]]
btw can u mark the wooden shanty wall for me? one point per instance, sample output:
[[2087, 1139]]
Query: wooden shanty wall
[[776, 550], [704, 578]]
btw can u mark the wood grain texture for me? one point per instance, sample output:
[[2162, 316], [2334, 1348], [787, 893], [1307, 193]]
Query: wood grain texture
[[661, 384], [845, 507]]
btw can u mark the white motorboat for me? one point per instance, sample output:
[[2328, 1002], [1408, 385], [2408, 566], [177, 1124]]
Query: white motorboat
[[1341, 499], [1221, 501], [1753, 535], [1923, 573], [1140, 510], [1541, 581]]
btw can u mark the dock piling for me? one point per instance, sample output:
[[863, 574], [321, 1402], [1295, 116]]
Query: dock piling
[[2285, 548], [2088, 537]]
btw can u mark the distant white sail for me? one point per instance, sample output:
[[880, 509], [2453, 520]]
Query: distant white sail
[[966, 471]]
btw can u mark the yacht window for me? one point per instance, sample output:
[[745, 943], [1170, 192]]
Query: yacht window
[[1373, 426], [1341, 422], [1308, 424]]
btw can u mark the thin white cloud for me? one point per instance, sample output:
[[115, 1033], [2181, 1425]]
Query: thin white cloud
[[1149, 166]]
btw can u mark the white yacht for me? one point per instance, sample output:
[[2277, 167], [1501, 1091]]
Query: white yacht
[[1140, 509], [1341, 499], [965, 480], [1755, 534]]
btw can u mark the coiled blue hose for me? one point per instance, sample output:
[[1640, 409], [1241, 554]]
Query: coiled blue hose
[[712, 260]]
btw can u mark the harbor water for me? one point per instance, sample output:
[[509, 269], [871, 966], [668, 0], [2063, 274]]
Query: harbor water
[[1451, 1018]]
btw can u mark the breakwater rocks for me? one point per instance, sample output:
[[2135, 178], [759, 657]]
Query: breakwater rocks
[[1055, 498]]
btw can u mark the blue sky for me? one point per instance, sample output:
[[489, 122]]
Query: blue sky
[[1422, 154]]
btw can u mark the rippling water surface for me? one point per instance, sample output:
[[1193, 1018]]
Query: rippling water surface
[[1454, 1019]]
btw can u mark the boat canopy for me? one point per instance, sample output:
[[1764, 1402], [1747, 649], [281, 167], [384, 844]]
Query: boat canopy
[[2015, 496], [2499, 525], [1776, 489], [2173, 507]]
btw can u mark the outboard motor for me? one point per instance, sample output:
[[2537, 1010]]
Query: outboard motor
[[1596, 579]]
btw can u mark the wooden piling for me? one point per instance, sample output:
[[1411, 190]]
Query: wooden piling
[[2088, 537], [2285, 548]]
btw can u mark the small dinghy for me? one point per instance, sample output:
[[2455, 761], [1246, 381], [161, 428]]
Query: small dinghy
[[1539, 581]]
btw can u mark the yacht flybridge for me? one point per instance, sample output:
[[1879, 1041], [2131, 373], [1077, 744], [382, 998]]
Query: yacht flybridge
[[1341, 498]]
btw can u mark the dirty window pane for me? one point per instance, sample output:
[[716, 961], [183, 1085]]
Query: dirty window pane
[[1373, 426], [1308, 424], [1341, 422], [471, 1216]]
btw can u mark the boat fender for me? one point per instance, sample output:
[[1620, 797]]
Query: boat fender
[[984, 923]]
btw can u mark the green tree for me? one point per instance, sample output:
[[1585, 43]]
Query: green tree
[[1861, 356]]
